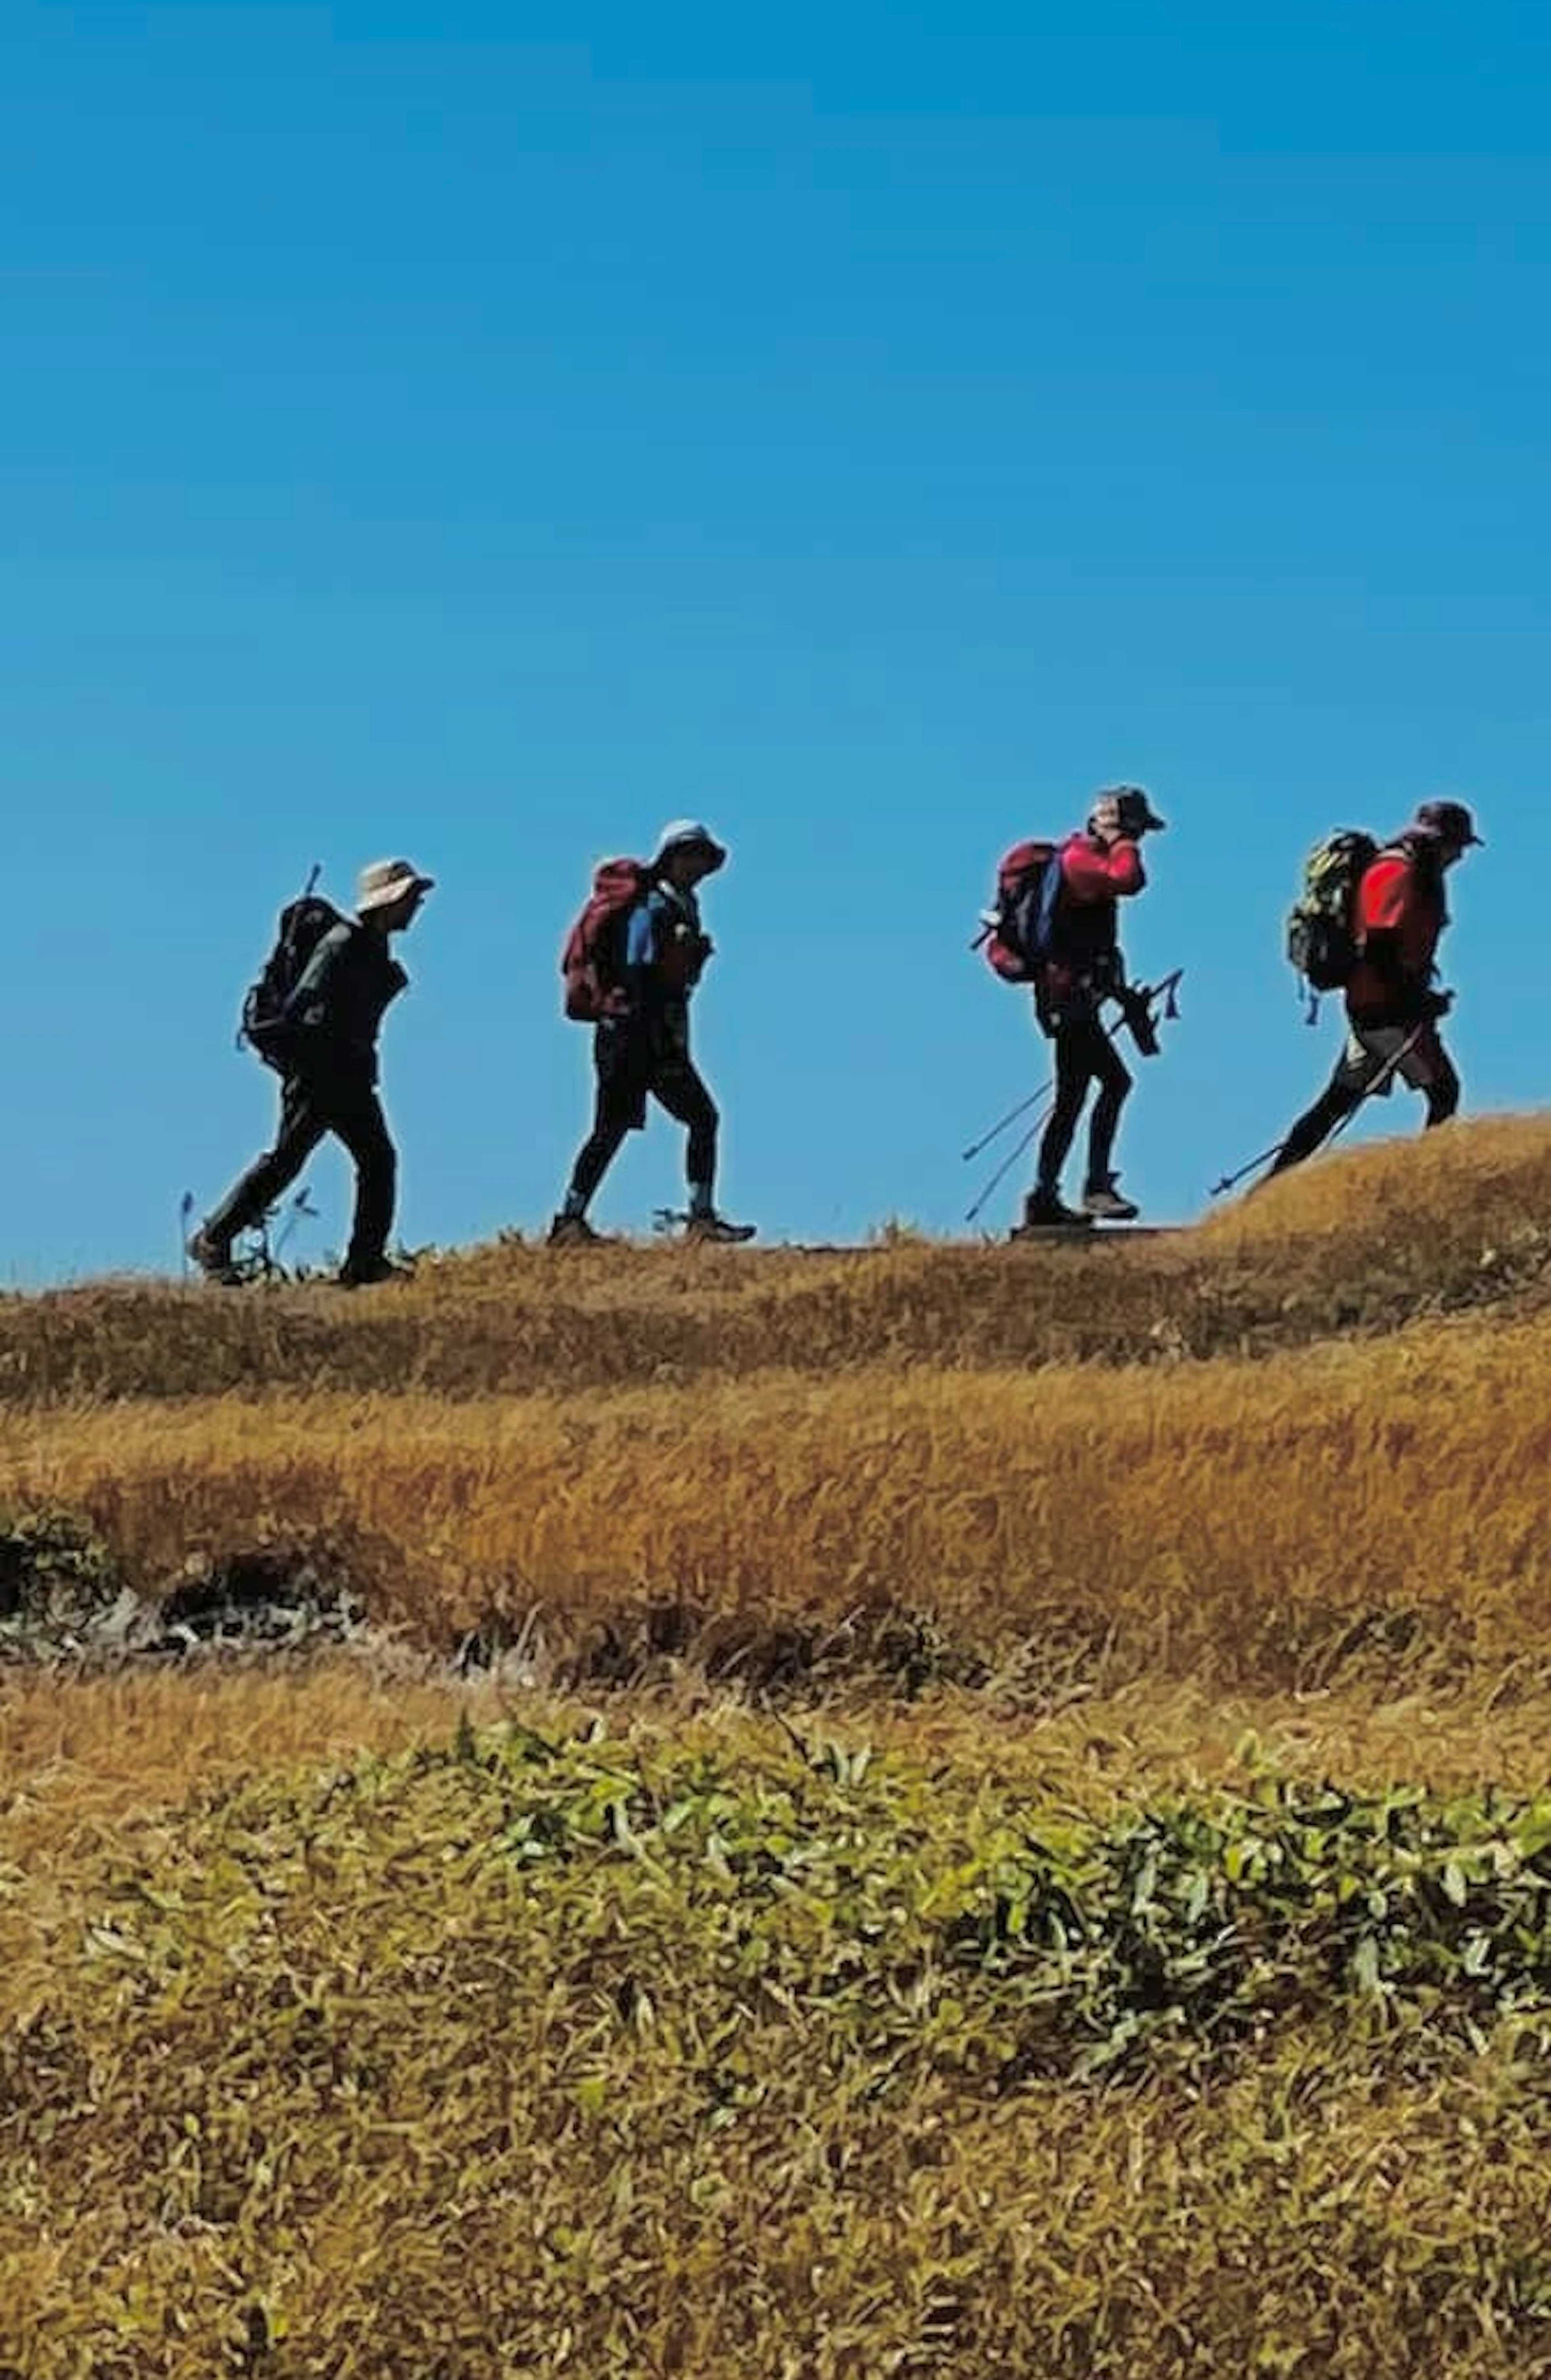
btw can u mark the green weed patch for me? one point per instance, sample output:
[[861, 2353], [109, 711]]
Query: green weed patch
[[627, 2058]]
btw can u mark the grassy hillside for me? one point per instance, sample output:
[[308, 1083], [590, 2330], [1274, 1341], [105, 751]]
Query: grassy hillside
[[1363, 1243], [934, 1809]]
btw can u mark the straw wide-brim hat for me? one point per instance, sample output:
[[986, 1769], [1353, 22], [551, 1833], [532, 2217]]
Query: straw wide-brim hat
[[387, 881], [686, 834]]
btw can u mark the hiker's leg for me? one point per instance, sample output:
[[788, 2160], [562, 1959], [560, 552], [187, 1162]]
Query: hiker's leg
[[301, 1128], [1335, 1103], [1365, 1055], [619, 1108], [1428, 1068], [1443, 1092], [595, 1155], [616, 1114], [357, 1119], [1112, 1075], [1072, 1078], [679, 1090]]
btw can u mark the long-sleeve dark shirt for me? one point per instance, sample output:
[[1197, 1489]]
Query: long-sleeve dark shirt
[[345, 990]]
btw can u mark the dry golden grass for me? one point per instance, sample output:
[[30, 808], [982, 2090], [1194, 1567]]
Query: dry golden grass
[[1231, 1520], [1366, 1242], [1064, 1533]]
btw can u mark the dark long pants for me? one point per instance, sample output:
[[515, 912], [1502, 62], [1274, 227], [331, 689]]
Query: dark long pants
[[1084, 1055], [625, 1083], [309, 1110], [1426, 1067]]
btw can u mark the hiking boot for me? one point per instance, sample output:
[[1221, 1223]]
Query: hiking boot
[[1044, 1212], [574, 1232], [1106, 1204], [717, 1227], [372, 1273], [213, 1258]]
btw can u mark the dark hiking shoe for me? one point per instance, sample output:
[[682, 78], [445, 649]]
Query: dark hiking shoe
[[213, 1258], [717, 1227], [574, 1232], [1106, 1204], [374, 1273], [1044, 1212]]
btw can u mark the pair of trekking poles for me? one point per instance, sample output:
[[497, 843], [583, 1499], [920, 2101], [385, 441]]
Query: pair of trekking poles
[[1140, 999], [1044, 1099]]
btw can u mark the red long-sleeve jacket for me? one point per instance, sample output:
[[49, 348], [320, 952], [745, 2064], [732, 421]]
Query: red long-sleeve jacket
[[1095, 878], [1401, 913]]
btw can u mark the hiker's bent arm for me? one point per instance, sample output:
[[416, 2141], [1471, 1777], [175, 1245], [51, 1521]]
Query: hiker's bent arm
[[1095, 875], [1382, 953], [313, 988], [1390, 905], [640, 951]]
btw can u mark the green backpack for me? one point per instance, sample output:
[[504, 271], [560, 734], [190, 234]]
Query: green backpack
[[1322, 923]]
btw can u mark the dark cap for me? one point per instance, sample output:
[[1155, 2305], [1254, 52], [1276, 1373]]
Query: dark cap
[[1126, 811], [1447, 823]]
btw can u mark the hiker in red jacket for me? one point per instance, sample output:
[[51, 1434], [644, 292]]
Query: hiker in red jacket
[[1099, 868], [1392, 1005]]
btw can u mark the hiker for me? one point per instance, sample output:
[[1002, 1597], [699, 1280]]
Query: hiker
[[1098, 869], [632, 964], [1392, 1006], [321, 1038]]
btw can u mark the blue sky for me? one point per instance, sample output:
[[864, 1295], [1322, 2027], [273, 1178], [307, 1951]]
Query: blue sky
[[487, 431]]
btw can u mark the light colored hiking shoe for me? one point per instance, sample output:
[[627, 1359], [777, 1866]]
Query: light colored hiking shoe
[[1106, 1204], [213, 1259]]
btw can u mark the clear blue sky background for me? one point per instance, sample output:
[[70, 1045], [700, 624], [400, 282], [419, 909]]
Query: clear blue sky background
[[486, 430]]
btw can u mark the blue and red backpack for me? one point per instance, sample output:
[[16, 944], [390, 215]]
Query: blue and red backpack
[[1018, 932], [592, 960]]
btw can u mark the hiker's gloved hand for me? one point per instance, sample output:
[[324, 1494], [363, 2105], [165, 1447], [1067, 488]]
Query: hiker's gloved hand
[[1435, 1005], [1140, 1022]]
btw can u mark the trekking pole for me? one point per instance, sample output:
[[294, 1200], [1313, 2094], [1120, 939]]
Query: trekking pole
[[1232, 1181], [1143, 995], [1007, 1164], [1011, 1117], [1387, 1073], [300, 1206], [185, 1216]]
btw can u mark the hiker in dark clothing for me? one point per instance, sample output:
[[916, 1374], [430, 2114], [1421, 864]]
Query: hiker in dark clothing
[[1392, 1006], [329, 1081], [641, 1049], [1099, 868]]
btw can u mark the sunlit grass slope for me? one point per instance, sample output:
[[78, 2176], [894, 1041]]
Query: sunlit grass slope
[[1374, 1501], [1254, 1523], [1024, 1847], [1361, 1242]]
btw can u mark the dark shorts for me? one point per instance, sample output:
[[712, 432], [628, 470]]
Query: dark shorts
[[1413, 1054], [635, 1066]]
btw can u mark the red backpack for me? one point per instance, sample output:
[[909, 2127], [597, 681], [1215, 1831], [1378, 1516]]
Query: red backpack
[[1018, 933], [592, 960]]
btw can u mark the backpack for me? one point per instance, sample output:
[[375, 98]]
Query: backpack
[[1018, 934], [1322, 922], [301, 926], [592, 962]]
